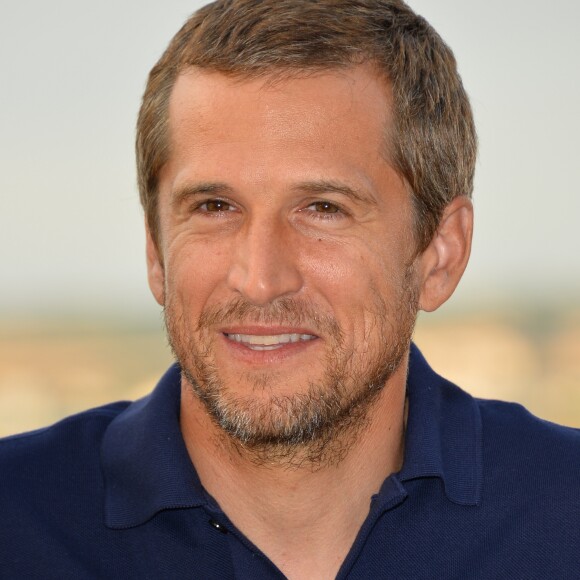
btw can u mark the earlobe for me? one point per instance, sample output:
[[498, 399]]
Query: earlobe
[[155, 270], [443, 262]]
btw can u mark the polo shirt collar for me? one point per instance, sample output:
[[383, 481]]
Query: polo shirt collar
[[145, 462], [147, 468], [443, 437]]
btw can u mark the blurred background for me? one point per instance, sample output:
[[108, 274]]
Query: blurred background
[[78, 326]]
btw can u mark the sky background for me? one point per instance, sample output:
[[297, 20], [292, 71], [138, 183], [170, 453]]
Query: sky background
[[72, 75]]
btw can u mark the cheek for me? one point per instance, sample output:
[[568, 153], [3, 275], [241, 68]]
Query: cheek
[[350, 277], [194, 270]]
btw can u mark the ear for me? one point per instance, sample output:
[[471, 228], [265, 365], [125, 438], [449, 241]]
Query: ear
[[155, 270], [443, 262]]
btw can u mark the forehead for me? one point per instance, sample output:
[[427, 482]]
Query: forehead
[[268, 133], [208, 105]]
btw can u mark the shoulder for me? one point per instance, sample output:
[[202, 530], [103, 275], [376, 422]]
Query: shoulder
[[52, 496], [514, 441], [64, 448], [81, 423], [513, 421]]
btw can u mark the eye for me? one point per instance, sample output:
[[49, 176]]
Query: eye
[[215, 206], [325, 210], [324, 207]]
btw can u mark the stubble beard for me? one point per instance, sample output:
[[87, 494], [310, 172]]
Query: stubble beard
[[312, 428]]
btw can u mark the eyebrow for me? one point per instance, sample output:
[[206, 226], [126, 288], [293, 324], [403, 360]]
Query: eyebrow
[[317, 187], [328, 186], [204, 188]]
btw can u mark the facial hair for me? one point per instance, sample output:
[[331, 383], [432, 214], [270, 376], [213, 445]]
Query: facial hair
[[316, 426]]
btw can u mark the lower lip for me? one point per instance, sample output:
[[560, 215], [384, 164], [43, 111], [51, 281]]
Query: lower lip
[[276, 355]]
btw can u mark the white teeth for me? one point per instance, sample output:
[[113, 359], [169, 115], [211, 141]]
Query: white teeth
[[268, 342]]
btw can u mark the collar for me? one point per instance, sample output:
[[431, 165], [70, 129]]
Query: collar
[[147, 468], [145, 462], [443, 437]]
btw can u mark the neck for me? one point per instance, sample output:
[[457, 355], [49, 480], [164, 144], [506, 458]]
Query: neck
[[294, 510]]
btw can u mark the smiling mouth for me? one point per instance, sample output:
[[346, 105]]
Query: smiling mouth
[[268, 342]]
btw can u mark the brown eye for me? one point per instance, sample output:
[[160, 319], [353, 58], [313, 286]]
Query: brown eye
[[325, 207], [216, 205]]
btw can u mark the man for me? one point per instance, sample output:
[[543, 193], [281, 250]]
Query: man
[[305, 169]]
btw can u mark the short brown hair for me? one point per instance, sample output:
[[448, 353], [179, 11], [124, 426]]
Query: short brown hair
[[433, 145]]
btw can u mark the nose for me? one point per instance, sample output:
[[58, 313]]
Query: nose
[[265, 261]]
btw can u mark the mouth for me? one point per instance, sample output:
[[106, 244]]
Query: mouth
[[263, 342]]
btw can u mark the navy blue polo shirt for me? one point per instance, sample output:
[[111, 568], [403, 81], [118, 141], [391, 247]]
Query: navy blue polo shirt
[[486, 491]]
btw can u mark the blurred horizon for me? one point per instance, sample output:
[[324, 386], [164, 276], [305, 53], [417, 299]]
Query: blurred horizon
[[54, 366]]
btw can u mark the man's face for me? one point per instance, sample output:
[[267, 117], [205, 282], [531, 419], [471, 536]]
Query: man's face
[[285, 254]]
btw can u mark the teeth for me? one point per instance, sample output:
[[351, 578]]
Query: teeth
[[268, 342]]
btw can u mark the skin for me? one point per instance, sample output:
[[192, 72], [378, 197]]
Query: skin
[[279, 192]]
